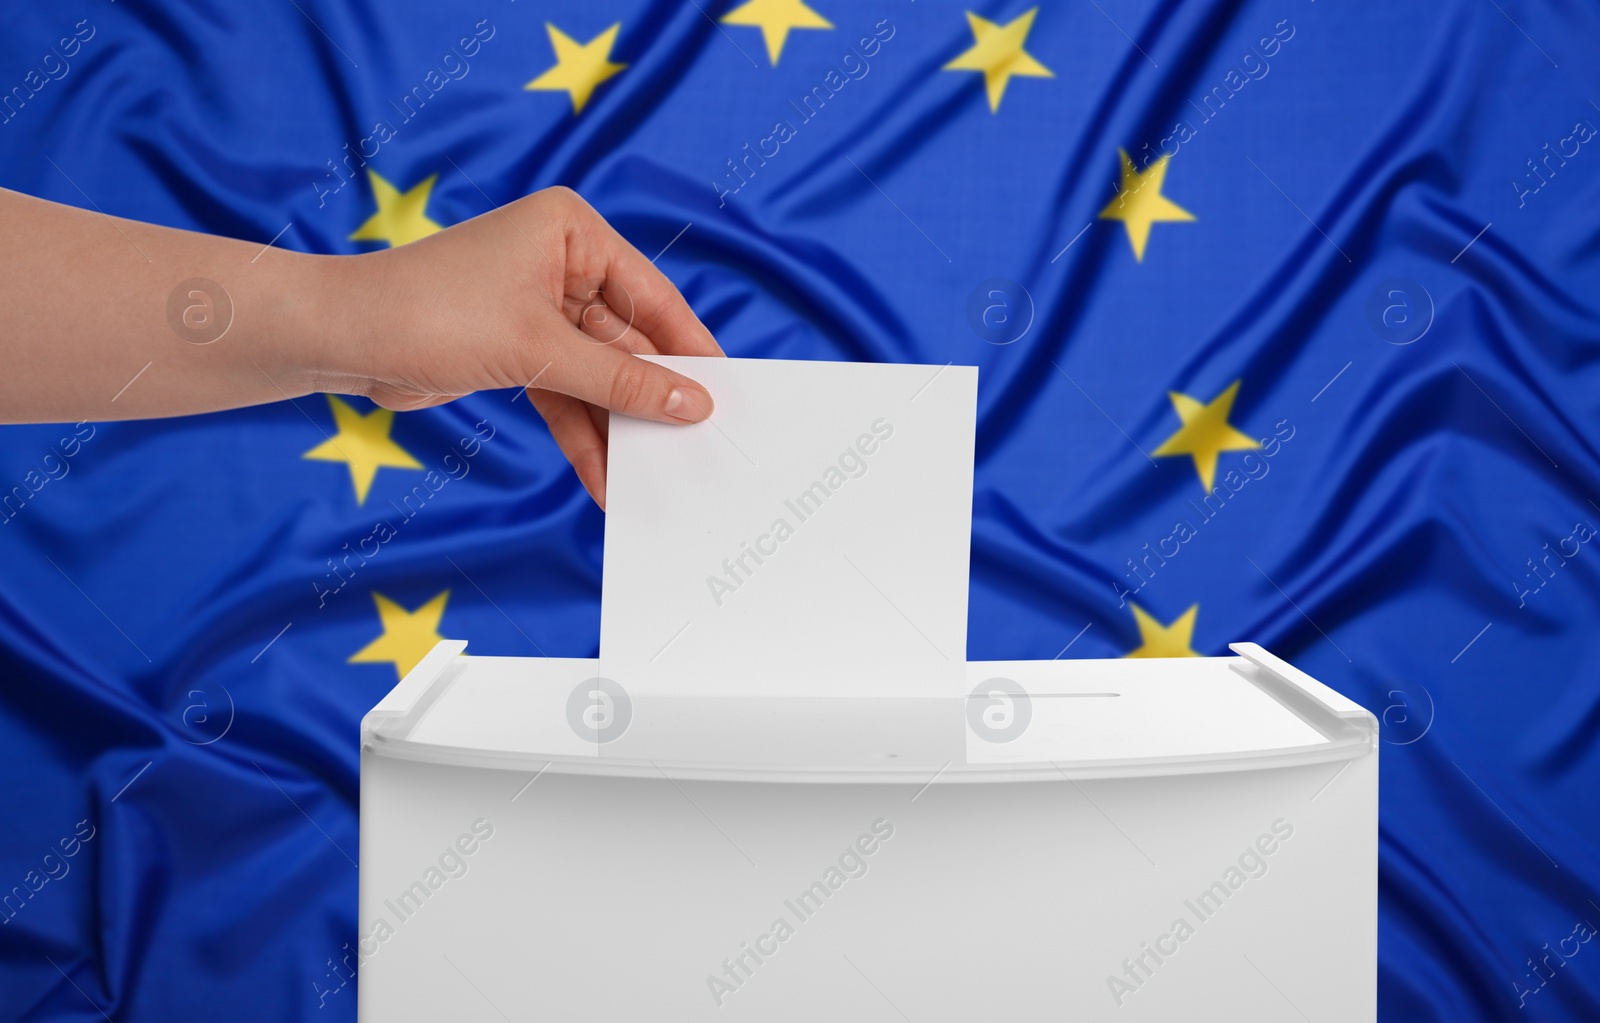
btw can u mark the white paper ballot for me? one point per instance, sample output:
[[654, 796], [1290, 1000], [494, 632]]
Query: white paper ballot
[[812, 537]]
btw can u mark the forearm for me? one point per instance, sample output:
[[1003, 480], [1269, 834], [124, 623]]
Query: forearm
[[91, 327], [103, 318]]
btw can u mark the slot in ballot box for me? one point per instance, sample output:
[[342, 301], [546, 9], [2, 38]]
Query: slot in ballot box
[[1184, 839]]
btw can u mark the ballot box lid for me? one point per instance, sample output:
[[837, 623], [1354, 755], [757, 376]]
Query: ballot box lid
[[1021, 720]]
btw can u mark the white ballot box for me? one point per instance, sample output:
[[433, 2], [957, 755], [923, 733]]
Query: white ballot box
[[1184, 839]]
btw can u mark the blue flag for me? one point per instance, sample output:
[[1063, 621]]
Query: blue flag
[[1285, 317]]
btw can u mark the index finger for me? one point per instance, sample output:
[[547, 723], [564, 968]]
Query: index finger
[[659, 310]]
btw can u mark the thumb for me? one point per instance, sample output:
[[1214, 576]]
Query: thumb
[[601, 375]]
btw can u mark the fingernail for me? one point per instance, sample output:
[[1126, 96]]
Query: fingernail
[[681, 405]]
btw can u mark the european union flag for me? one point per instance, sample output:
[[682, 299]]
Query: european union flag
[[1286, 318]]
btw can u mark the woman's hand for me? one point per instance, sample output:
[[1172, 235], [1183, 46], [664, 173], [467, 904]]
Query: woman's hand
[[542, 293]]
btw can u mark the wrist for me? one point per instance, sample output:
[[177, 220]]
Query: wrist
[[328, 316]]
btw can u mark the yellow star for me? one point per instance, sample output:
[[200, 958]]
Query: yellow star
[[401, 217], [1157, 640], [363, 443], [1205, 432], [580, 67], [998, 53], [775, 18], [1140, 203], [407, 635]]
